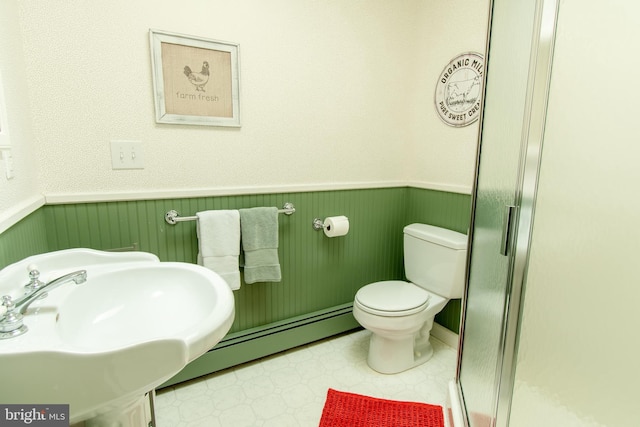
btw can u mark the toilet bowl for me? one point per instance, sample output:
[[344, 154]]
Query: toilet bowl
[[400, 316]]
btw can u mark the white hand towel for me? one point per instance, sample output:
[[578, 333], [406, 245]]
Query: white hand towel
[[219, 243]]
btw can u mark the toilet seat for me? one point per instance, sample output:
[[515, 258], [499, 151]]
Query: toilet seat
[[392, 298]]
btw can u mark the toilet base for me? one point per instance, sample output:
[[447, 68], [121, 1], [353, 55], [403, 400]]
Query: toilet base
[[395, 354]]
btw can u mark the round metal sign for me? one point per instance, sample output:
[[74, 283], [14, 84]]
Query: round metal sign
[[459, 90]]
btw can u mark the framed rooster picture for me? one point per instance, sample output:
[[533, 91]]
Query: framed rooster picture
[[196, 80]]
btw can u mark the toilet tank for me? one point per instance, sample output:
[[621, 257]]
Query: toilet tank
[[435, 259]]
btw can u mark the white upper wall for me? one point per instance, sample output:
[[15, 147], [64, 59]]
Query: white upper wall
[[441, 156], [334, 94], [20, 195]]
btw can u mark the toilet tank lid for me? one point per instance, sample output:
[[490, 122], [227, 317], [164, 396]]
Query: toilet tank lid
[[441, 236]]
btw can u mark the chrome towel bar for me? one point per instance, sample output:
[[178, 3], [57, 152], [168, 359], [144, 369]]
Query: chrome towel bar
[[172, 217]]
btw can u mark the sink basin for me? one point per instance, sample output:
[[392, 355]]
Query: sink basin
[[145, 302], [57, 263], [101, 345]]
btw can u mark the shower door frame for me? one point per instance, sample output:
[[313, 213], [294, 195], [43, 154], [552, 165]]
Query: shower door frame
[[518, 225]]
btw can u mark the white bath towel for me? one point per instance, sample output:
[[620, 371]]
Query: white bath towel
[[219, 243]]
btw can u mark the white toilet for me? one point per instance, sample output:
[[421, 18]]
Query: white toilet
[[400, 314]]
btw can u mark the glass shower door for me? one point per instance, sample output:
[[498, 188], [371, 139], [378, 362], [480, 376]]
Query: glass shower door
[[480, 364], [520, 55]]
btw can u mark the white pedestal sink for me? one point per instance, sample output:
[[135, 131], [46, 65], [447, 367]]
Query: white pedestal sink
[[101, 345]]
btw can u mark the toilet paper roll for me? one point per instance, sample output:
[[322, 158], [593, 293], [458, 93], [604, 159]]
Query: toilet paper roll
[[335, 226]]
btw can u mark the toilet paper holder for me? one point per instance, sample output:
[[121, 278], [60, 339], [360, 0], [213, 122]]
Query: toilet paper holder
[[318, 224], [331, 229], [333, 226]]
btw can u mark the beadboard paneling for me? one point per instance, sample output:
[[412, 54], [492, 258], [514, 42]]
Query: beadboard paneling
[[27, 237], [317, 272]]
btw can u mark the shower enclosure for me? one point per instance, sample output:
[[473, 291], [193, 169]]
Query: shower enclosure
[[519, 53]]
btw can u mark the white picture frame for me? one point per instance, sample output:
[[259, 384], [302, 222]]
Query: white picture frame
[[196, 80]]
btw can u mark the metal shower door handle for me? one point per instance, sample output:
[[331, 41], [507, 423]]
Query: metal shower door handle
[[506, 230]]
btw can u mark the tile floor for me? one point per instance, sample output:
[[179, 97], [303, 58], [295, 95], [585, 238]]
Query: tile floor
[[289, 389]]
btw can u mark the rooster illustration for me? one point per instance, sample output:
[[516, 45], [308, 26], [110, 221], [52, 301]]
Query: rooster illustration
[[199, 80]]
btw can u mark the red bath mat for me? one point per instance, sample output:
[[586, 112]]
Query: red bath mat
[[353, 410]]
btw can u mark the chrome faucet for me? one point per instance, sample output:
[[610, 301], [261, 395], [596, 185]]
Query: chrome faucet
[[11, 324], [24, 302]]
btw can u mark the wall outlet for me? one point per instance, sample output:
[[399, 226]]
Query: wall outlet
[[127, 155]]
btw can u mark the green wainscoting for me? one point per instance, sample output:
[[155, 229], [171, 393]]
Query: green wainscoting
[[317, 272], [442, 209], [320, 276], [27, 237]]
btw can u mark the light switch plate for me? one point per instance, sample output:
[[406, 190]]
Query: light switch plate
[[127, 154], [7, 160]]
